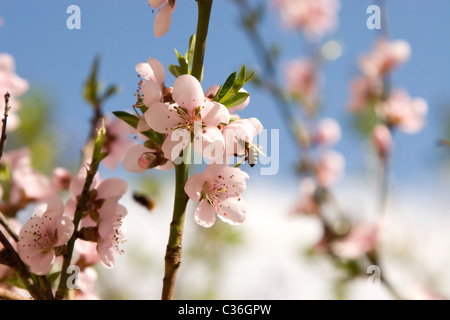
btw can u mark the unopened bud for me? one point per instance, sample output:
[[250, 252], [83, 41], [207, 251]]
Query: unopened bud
[[148, 160], [382, 139], [61, 178]]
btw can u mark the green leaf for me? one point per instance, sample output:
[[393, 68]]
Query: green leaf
[[240, 80], [238, 84], [112, 89], [235, 100], [223, 90], [183, 67], [175, 70], [16, 282], [91, 85], [53, 277], [228, 94], [156, 137], [190, 52], [131, 119]]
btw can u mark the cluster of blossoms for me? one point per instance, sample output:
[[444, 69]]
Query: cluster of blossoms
[[42, 240], [322, 165], [20, 184], [185, 115], [45, 234], [324, 168], [394, 108], [313, 17], [302, 81]]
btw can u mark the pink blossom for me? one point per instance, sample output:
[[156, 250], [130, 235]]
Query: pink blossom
[[328, 132], [86, 281], [163, 17], [382, 140], [103, 211], [307, 203], [154, 74], [25, 180], [111, 230], [12, 83], [88, 251], [330, 167], [404, 112], [116, 142], [364, 90], [218, 189], [302, 80], [192, 113], [140, 158], [314, 17], [361, 240], [385, 57], [47, 229], [239, 131], [148, 155]]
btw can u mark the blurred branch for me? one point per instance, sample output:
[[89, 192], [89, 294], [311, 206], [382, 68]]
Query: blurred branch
[[250, 18]]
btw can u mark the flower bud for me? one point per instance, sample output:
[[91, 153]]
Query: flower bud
[[382, 139], [61, 178]]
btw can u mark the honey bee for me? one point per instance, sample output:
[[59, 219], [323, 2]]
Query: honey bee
[[144, 200]]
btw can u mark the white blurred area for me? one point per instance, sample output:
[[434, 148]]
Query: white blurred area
[[270, 261]]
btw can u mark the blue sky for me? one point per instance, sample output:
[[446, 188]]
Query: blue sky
[[57, 60]]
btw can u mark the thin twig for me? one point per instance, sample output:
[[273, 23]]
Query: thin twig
[[4, 121], [81, 207], [5, 225]]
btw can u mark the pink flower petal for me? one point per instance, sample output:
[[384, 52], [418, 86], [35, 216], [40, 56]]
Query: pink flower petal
[[214, 114], [130, 161], [106, 252], [69, 208], [231, 181], [156, 3], [211, 92], [209, 143], [144, 70], [152, 92], [194, 186], [188, 92], [163, 20], [64, 230], [158, 70], [174, 143], [232, 210], [112, 188], [162, 117], [42, 263], [205, 214]]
